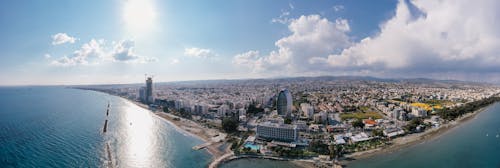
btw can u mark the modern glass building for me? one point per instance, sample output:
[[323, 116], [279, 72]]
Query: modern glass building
[[284, 103]]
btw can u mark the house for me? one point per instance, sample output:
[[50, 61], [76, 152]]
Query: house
[[369, 122]]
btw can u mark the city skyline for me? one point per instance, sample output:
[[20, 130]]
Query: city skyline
[[96, 42]]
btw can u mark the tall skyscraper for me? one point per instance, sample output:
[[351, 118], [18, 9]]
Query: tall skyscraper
[[149, 90], [284, 103]]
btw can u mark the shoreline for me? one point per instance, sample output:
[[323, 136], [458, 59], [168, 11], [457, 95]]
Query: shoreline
[[220, 157], [190, 128], [404, 142], [304, 163], [399, 143]]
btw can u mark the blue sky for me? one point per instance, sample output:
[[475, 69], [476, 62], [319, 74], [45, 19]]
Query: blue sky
[[118, 41]]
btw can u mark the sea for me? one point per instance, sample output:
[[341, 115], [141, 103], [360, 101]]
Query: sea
[[474, 143], [63, 127]]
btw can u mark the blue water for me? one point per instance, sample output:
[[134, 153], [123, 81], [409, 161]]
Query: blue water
[[252, 146], [61, 127], [475, 143], [258, 163]]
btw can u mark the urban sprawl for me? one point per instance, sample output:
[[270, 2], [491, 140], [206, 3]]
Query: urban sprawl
[[319, 117]]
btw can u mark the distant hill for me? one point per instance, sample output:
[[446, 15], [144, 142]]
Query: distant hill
[[292, 79]]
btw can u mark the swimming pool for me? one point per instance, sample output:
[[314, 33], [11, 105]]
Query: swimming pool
[[252, 146]]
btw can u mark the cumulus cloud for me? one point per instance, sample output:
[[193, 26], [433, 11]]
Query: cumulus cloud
[[311, 36], [47, 56], [97, 51], [61, 38], [199, 52], [123, 51], [429, 36], [92, 50], [423, 37], [250, 59]]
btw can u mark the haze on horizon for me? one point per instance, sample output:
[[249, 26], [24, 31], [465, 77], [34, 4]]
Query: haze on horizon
[[118, 41]]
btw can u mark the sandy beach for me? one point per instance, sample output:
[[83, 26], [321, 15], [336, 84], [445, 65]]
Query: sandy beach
[[196, 130], [409, 140], [221, 156]]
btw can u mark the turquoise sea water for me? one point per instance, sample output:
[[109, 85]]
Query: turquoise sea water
[[475, 143], [61, 127]]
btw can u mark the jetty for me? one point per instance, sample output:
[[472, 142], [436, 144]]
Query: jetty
[[107, 110], [201, 146], [110, 158], [105, 126]]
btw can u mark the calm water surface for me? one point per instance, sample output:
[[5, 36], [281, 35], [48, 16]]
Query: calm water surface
[[475, 143], [61, 127]]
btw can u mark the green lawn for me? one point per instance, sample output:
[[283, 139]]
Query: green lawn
[[361, 115]]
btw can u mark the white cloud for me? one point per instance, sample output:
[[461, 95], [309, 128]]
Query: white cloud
[[283, 18], [199, 52], [250, 59], [47, 56], [311, 36], [124, 51], [61, 38], [430, 36], [97, 51], [342, 25], [338, 8], [93, 50], [424, 37]]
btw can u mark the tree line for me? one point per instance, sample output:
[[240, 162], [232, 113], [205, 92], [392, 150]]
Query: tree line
[[453, 113]]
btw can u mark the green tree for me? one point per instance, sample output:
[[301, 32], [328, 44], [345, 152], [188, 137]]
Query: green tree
[[358, 123], [252, 109], [412, 124], [378, 132], [229, 125], [288, 120]]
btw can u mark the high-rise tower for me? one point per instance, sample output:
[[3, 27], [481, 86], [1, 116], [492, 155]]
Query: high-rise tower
[[284, 103], [149, 90]]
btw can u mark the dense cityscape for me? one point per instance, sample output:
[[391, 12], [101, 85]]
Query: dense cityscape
[[319, 119], [250, 84]]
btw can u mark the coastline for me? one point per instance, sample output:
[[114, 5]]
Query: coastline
[[413, 139], [304, 163], [397, 144], [190, 128], [221, 157]]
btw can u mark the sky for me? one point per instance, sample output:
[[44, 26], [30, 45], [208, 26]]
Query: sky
[[119, 41]]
